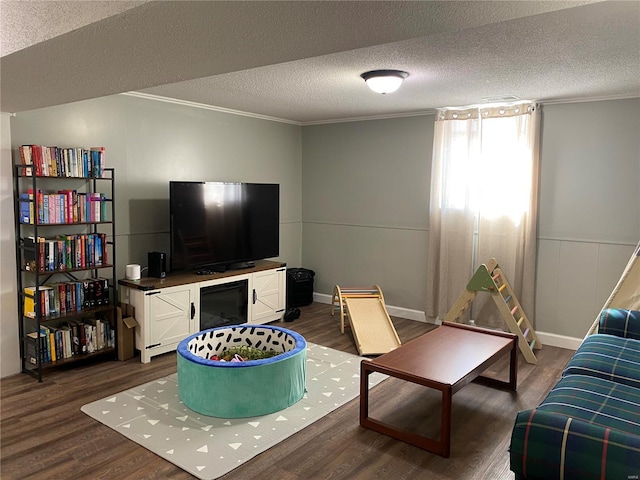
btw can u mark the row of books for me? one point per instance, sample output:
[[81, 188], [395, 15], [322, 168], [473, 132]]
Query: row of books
[[69, 340], [63, 162], [65, 206], [65, 297], [65, 252]]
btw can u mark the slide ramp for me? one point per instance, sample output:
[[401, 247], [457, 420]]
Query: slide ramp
[[371, 326]]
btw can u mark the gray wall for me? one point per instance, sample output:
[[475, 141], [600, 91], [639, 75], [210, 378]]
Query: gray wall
[[365, 197], [9, 346], [354, 196], [365, 208], [589, 216], [151, 142]]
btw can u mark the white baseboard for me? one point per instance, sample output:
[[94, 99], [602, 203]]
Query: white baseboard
[[401, 312], [551, 339], [560, 341]]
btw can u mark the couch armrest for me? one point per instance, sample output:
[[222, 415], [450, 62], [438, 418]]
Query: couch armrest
[[546, 445], [620, 322]]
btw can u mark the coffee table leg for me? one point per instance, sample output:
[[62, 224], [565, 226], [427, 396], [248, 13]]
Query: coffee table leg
[[364, 392], [513, 368], [445, 424]]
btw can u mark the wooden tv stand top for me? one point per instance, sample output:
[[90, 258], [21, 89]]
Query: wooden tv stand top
[[184, 278]]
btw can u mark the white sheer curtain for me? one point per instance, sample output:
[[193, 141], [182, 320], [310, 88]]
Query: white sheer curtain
[[484, 185]]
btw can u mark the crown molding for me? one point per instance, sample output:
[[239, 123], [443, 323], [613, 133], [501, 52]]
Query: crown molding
[[204, 106], [430, 111], [603, 98], [421, 113], [187, 103]]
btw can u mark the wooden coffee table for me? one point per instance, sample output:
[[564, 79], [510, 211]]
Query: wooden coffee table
[[445, 359]]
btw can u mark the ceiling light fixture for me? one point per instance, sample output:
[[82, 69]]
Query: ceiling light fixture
[[384, 81]]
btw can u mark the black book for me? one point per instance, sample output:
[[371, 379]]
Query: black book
[[30, 350], [29, 254], [101, 291], [89, 293]]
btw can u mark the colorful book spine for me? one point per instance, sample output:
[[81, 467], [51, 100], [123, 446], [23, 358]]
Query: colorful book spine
[[26, 159], [53, 161], [65, 252], [29, 308], [63, 207], [64, 297], [26, 207]]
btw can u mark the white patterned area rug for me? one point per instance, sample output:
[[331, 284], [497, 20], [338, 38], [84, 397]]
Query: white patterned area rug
[[153, 416]]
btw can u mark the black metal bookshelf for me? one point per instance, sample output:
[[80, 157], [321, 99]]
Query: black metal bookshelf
[[84, 327]]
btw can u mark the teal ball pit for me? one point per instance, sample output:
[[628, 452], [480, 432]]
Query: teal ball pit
[[241, 389]]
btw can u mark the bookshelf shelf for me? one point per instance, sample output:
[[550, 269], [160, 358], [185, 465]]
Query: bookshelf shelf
[[84, 356], [66, 268], [72, 315], [57, 177], [69, 361], [106, 222], [69, 270]]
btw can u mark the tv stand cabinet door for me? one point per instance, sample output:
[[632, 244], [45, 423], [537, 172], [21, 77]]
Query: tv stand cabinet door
[[268, 296], [167, 319]]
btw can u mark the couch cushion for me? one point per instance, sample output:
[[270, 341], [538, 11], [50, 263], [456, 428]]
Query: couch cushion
[[597, 401], [586, 428], [609, 357], [621, 322]]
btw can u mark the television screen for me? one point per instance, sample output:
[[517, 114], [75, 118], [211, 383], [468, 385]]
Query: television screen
[[216, 224]]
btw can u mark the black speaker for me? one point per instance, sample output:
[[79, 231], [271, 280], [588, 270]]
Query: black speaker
[[157, 264]]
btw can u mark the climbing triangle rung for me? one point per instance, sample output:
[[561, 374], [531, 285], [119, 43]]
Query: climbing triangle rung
[[532, 344], [514, 310], [507, 299], [520, 321], [502, 287], [525, 333]]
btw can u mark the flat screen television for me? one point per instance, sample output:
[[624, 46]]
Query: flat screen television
[[216, 225]]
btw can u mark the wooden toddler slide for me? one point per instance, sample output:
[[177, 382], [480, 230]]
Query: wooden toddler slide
[[371, 326]]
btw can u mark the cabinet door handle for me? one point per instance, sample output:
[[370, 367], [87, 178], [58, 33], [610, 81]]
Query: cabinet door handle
[[193, 310], [255, 296]]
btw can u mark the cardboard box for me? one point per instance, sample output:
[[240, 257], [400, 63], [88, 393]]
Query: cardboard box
[[126, 331]]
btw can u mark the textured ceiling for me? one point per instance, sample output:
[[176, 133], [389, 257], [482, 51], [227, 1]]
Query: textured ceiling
[[24, 23], [300, 61]]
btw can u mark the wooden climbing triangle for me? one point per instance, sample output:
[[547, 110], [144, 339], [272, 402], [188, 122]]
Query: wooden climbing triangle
[[490, 279]]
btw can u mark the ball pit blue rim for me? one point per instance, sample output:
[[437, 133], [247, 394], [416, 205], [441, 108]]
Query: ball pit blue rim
[[184, 352]]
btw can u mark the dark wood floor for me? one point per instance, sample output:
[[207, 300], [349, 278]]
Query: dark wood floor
[[44, 435]]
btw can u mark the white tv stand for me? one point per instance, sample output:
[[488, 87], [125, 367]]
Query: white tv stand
[[168, 310]]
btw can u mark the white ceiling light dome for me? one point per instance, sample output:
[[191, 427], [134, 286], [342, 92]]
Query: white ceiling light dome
[[384, 81]]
